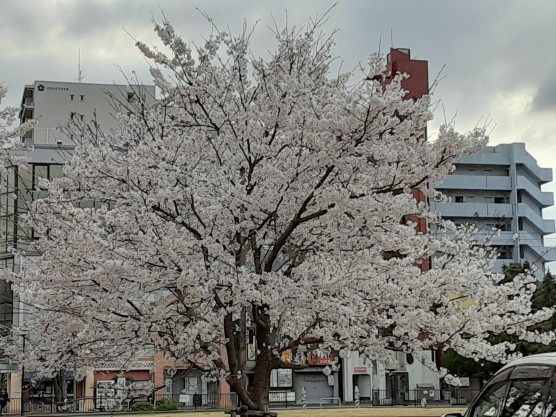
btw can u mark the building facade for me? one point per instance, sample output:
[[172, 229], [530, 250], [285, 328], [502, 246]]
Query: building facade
[[53, 105], [500, 188], [371, 378]]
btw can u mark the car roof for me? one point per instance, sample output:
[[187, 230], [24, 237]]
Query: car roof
[[539, 359]]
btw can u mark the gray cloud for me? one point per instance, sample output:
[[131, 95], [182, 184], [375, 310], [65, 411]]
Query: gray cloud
[[487, 47], [545, 97], [496, 54]]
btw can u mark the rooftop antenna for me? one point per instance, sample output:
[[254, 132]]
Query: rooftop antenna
[[79, 75], [392, 38]]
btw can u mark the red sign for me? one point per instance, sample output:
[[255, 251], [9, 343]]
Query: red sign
[[312, 357], [359, 369]]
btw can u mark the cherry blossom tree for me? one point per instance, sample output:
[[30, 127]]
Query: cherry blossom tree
[[261, 196], [12, 151]]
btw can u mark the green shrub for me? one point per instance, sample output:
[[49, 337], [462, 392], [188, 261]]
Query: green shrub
[[166, 404], [142, 406]]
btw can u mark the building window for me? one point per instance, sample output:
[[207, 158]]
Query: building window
[[71, 97], [499, 200], [82, 97], [459, 199], [39, 171], [506, 252], [48, 171], [72, 115], [6, 295]]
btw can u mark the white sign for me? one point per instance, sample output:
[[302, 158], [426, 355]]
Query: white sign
[[280, 397], [168, 386], [192, 384]]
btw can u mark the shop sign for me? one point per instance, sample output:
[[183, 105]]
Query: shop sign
[[41, 87], [359, 369]]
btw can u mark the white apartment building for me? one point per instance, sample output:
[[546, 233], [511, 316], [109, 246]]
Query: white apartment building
[[54, 104], [501, 187]]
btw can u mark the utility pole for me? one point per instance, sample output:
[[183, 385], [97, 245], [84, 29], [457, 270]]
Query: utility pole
[[22, 377]]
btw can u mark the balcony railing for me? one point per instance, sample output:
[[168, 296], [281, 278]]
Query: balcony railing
[[493, 210], [475, 182], [545, 199]]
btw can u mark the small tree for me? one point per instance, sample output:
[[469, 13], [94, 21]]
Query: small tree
[[543, 298], [261, 196]]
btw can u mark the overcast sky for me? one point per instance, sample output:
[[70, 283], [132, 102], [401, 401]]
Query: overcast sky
[[498, 56]]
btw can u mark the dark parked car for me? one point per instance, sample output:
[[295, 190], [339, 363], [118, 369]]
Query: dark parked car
[[525, 387]]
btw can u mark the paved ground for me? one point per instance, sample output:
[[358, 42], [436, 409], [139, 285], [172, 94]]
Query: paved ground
[[311, 412], [372, 412], [340, 412]]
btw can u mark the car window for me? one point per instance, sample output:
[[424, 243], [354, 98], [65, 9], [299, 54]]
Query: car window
[[492, 400], [535, 371], [525, 398], [550, 406]]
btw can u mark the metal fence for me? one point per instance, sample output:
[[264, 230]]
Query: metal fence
[[48, 405], [457, 396], [186, 402], [200, 401]]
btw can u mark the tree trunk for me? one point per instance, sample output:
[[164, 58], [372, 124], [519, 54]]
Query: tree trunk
[[237, 378], [255, 397], [260, 388], [59, 383]]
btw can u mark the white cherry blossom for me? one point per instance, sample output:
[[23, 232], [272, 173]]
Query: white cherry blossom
[[263, 194]]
